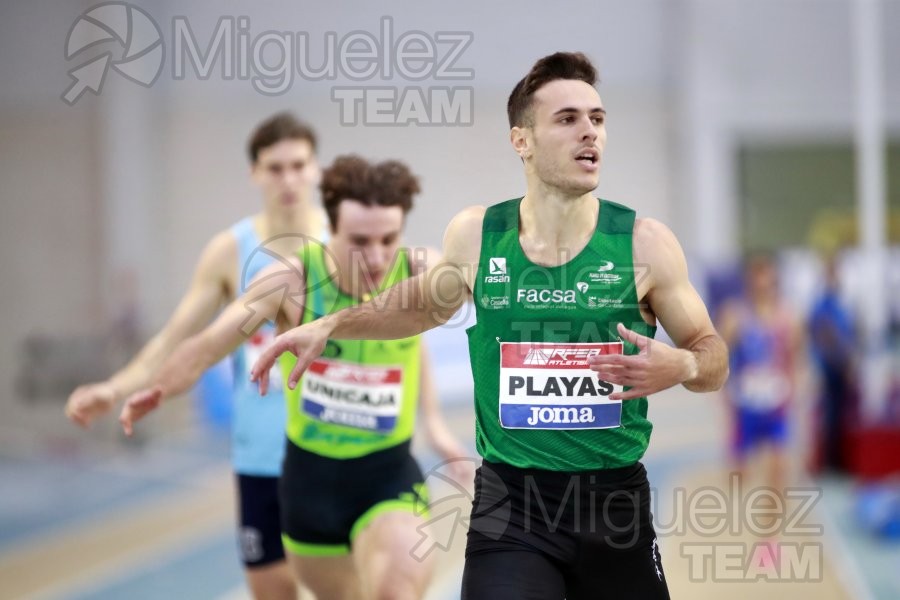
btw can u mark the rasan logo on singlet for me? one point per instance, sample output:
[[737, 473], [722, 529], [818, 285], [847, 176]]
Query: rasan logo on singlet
[[497, 271], [497, 274]]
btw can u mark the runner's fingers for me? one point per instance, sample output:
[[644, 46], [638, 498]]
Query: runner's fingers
[[629, 395], [137, 407], [633, 337], [263, 383], [303, 362], [267, 359], [607, 359], [617, 374], [125, 419], [76, 417], [258, 370]]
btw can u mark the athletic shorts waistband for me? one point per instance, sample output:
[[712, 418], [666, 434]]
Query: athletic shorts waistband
[[599, 476]]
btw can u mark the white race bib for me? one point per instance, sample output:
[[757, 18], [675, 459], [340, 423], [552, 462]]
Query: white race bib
[[353, 395], [550, 386], [763, 388]]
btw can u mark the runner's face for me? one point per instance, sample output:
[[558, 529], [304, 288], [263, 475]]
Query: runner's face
[[568, 136], [286, 173], [762, 280], [364, 245]]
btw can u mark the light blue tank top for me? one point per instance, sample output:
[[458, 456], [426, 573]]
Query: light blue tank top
[[258, 422]]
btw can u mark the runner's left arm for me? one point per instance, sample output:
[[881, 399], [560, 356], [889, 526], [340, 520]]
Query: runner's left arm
[[699, 360], [442, 440]]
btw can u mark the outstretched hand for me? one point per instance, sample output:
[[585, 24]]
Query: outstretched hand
[[137, 406], [306, 342], [90, 401], [656, 367]]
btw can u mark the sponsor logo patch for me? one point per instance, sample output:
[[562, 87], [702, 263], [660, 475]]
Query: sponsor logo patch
[[353, 395]]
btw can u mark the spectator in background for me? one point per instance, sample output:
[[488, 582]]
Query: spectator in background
[[833, 341]]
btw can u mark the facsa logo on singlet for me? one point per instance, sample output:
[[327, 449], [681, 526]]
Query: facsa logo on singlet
[[533, 296], [497, 270]]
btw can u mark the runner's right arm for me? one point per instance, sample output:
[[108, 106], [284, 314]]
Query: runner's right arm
[[277, 293], [207, 291], [409, 308]]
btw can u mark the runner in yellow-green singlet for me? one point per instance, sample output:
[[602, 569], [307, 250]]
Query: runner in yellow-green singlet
[[352, 497]]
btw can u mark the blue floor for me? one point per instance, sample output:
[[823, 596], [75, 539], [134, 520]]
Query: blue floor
[[208, 570], [43, 495], [877, 557]]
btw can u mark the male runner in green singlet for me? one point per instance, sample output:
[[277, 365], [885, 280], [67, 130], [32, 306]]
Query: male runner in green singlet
[[349, 487], [563, 355]]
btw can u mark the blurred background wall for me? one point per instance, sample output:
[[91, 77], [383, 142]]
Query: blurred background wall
[[731, 121]]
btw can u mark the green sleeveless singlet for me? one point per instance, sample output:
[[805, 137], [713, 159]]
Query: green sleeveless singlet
[[537, 404]]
